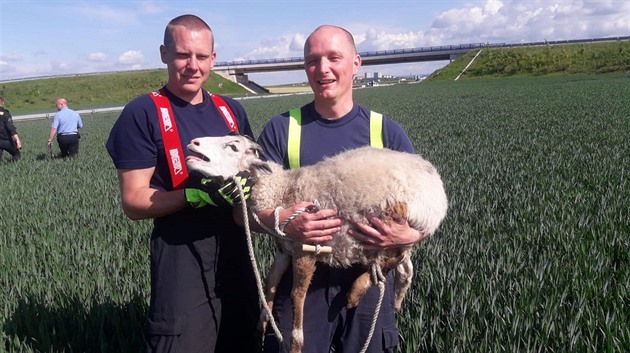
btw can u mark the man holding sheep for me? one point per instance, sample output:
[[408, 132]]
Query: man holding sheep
[[329, 125], [200, 302]]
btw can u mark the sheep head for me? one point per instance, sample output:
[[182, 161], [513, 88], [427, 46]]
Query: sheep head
[[225, 156]]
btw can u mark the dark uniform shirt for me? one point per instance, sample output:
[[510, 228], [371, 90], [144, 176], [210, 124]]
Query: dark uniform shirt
[[7, 129]]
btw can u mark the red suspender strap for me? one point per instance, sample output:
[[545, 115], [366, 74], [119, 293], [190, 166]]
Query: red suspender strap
[[225, 111], [170, 138]]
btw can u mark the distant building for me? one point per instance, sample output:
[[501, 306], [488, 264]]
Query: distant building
[[373, 75]]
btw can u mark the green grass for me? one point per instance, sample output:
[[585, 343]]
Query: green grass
[[95, 91], [534, 255], [585, 58]]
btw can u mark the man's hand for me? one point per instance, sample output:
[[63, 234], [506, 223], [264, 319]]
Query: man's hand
[[216, 191], [311, 227], [380, 235]]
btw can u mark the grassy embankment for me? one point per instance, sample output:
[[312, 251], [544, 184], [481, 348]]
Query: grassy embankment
[[588, 58], [95, 91]]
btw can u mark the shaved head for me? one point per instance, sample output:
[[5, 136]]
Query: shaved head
[[349, 39], [190, 22]]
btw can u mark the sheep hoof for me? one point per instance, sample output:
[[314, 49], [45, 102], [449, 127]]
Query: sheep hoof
[[262, 323]]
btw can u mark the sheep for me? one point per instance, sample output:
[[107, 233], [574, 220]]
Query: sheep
[[359, 182]]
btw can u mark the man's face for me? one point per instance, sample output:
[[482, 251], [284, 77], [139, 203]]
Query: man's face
[[188, 61], [330, 63]]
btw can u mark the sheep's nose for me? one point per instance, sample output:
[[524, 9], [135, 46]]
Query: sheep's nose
[[195, 142]]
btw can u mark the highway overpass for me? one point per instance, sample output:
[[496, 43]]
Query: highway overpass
[[437, 53], [236, 70]]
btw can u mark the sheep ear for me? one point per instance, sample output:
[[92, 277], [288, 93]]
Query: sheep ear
[[261, 167], [256, 149]]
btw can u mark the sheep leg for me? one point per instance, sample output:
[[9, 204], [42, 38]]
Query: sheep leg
[[402, 280], [280, 265], [363, 282], [303, 269]]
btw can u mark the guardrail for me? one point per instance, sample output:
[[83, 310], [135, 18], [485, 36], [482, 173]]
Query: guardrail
[[50, 115], [425, 50]]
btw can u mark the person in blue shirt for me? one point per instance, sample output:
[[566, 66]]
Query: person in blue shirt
[[330, 124], [66, 125]]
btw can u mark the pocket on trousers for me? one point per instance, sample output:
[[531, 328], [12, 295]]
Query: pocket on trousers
[[390, 337], [162, 325]]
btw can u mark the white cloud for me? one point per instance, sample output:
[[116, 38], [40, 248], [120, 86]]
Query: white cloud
[[281, 47], [6, 68], [60, 68], [526, 20], [297, 43], [97, 57], [131, 57], [13, 57], [374, 40]]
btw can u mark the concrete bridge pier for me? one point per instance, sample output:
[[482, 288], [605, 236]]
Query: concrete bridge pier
[[454, 56]]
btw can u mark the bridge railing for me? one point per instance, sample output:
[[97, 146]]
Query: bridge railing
[[363, 54], [424, 50], [259, 61]]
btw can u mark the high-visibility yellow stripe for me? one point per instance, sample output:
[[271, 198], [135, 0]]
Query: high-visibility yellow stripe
[[376, 129], [295, 134]]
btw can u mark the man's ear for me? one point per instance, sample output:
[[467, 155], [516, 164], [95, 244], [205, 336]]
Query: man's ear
[[163, 52], [357, 64]]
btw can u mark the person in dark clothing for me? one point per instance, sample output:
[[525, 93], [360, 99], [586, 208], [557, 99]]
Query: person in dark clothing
[[331, 124], [203, 290], [9, 139]]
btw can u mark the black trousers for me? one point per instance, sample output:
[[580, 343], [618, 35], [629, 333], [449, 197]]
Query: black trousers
[[9, 146], [68, 144]]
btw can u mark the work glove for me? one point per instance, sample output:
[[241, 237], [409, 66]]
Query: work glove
[[215, 190]]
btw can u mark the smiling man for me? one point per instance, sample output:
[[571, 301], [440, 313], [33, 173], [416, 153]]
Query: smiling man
[[330, 124], [200, 301]]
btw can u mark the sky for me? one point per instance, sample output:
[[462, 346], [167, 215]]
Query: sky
[[50, 37]]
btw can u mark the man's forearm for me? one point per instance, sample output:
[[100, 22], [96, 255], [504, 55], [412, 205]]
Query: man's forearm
[[51, 134], [148, 203]]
